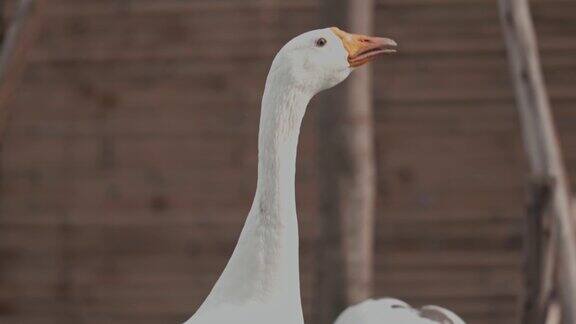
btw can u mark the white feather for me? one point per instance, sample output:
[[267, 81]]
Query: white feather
[[394, 311]]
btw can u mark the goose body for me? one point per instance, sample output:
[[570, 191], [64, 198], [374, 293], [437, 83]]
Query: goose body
[[260, 284], [394, 311]]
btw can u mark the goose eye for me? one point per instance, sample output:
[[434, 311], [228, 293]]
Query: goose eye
[[320, 42]]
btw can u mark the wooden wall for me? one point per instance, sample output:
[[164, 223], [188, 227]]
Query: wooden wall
[[130, 159]]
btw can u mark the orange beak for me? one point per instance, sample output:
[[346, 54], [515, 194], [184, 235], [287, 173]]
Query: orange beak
[[363, 49]]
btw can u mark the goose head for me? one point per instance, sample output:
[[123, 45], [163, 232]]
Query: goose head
[[322, 58]]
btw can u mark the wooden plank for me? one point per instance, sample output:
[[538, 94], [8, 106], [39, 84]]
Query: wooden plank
[[97, 33], [106, 7]]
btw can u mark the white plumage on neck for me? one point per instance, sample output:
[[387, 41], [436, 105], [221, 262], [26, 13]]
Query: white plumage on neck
[[262, 276]]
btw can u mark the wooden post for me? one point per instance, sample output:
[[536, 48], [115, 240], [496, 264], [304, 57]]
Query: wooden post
[[534, 241], [554, 315], [347, 177], [540, 139], [16, 44], [548, 271]]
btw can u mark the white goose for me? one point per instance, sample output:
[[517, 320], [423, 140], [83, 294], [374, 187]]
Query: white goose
[[260, 284]]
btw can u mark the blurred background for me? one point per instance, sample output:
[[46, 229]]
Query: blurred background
[[128, 165]]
